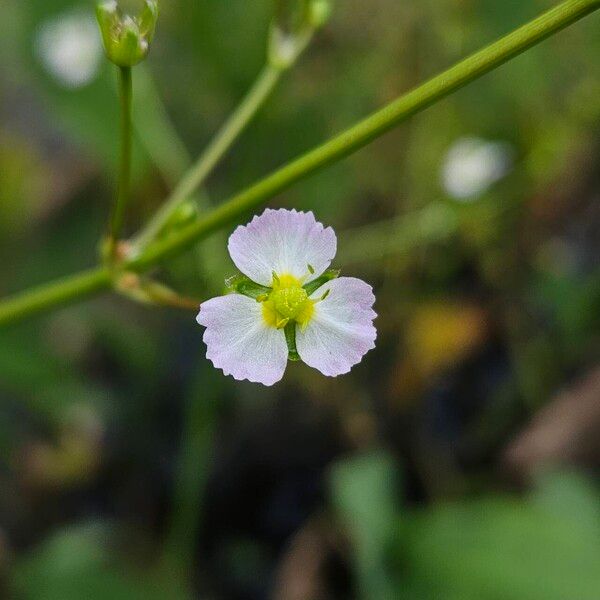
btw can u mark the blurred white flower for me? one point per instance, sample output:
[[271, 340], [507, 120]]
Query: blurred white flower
[[70, 49], [473, 164]]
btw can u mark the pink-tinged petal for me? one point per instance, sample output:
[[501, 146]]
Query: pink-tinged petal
[[282, 241], [239, 342], [341, 330]]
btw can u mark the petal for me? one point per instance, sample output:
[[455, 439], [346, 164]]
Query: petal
[[282, 241], [239, 341], [341, 330]]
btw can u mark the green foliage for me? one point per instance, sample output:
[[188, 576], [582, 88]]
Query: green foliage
[[545, 546], [504, 548], [364, 490], [78, 563]]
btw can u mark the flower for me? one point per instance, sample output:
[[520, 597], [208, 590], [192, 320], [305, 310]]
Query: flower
[[70, 49], [289, 305], [472, 165]]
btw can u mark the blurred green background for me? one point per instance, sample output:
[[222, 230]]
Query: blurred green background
[[459, 460]]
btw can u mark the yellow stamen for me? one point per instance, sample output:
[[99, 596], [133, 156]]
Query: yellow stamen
[[287, 302]]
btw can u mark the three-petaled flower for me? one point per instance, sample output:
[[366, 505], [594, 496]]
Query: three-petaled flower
[[295, 305]]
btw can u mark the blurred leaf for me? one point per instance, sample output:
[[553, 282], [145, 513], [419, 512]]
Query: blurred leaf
[[508, 549], [363, 491], [569, 495], [76, 563], [44, 384]]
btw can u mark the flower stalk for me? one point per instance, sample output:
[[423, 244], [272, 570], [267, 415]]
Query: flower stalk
[[78, 286], [284, 49], [373, 127], [124, 181], [126, 42], [196, 176], [146, 291]]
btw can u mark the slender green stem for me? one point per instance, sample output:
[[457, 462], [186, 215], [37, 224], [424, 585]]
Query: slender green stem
[[124, 183], [356, 137], [53, 295], [372, 127], [197, 175], [155, 129], [194, 458], [156, 132]]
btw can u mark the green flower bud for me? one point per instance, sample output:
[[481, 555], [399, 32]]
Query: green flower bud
[[184, 215], [126, 38], [294, 24], [319, 12]]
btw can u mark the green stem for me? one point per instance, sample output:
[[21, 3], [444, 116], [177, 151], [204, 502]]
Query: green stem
[[191, 476], [372, 127], [124, 184], [419, 99], [156, 132], [155, 129], [197, 175], [53, 295]]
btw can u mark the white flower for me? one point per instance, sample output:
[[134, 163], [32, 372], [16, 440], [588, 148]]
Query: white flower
[[472, 165], [70, 48], [286, 252]]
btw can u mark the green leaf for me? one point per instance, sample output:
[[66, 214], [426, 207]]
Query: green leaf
[[78, 563], [541, 548], [364, 492]]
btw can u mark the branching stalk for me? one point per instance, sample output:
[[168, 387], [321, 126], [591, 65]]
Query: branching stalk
[[372, 127], [198, 173], [470, 69]]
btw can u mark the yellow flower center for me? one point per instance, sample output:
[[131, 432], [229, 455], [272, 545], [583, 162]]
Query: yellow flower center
[[287, 302]]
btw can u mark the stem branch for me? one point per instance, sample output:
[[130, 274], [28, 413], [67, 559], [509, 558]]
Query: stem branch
[[53, 295], [372, 127], [477, 65], [198, 173]]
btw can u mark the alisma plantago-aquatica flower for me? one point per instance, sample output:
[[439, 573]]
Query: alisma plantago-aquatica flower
[[287, 304]]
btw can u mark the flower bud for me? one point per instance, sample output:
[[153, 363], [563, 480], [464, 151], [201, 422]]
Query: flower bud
[[294, 24], [126, 38], [319, 12], [184, 215]]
